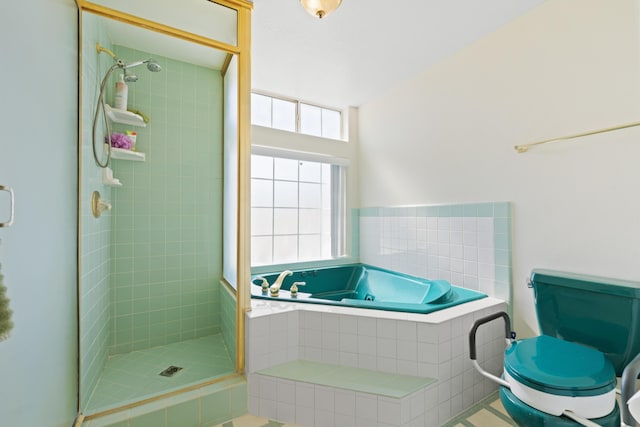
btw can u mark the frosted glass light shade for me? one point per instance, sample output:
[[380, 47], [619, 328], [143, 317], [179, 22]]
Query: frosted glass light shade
[[320, 8]]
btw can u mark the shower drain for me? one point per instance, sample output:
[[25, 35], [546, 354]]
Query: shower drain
[[171, 371]]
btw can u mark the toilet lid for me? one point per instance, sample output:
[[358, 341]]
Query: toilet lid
[[559, 367]]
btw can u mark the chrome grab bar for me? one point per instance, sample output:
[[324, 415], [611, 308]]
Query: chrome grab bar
[[11, 203]]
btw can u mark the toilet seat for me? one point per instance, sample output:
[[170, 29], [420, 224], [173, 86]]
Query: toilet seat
[[553, 375]]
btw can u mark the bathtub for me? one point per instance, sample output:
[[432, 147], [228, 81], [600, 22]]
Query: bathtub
[[365, 286]]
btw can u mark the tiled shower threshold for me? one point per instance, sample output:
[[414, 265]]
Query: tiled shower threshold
[[135, 376]]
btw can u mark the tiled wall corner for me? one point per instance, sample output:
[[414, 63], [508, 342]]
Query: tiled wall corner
[[468, 245]]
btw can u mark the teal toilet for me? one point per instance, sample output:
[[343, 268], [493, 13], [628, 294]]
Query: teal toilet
[[567, 376]]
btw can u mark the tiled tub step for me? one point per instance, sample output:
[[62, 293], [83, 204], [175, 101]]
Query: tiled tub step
[[317, 394]]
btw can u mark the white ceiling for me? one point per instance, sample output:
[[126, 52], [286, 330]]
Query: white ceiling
[[159, 44], [365, 47]]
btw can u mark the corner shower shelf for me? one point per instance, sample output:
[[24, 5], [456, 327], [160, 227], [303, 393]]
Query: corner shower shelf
[[124, 117], [121, 154]]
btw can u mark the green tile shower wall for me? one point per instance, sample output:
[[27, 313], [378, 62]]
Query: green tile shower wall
[[167, 216], [499, 211], [95, 241], [228, 319]]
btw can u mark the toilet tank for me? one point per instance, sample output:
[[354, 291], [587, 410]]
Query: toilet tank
[[600, 312]]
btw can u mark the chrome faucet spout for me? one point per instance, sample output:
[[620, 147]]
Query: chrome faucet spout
[[275, 288]]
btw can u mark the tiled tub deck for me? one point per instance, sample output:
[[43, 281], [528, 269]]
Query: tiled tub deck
[[319, 365]]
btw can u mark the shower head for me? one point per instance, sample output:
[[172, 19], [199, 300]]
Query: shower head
[[153, 66]]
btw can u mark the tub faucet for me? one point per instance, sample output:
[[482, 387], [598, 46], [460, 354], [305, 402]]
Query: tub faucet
[[275, 288]]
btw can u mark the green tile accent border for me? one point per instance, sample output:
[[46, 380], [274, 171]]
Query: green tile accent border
[[348, 378], [488, 209], [262, 269]]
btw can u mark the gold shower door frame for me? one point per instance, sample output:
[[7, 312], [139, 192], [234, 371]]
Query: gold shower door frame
[[242, 50]]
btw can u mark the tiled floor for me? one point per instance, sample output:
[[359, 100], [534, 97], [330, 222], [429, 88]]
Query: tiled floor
[[488, 413], [253, 421], [134, 376]]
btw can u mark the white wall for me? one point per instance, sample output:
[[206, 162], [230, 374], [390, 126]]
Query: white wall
[[447, 136], [38, 158]]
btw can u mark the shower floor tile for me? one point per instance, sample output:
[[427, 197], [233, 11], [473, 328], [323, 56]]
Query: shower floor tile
[[135, 376]]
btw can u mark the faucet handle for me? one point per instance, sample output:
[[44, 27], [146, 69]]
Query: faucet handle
[[264, 285], [294, 288]]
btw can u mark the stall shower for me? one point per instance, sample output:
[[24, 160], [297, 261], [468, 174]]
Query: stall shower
[[152, 306]]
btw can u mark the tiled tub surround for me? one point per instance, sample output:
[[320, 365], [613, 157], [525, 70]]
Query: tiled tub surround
[[468, 245], [432, 346]]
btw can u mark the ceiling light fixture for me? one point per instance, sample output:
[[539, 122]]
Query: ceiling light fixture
[[320, 8]]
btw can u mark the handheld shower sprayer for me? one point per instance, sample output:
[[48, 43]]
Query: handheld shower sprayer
[[152, 65]]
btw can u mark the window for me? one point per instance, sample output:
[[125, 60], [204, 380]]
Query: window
[[297, 209], [295, 116]]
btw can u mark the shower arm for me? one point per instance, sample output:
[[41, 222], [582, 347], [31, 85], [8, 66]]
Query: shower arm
[[101, 49]]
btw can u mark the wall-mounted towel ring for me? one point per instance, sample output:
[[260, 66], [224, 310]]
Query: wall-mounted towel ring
[[11, 203]]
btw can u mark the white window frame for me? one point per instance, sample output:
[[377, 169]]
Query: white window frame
[[338, 195], [298, 103]]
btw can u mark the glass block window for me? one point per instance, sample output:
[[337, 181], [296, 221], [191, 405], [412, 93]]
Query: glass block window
[[296, 210]]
